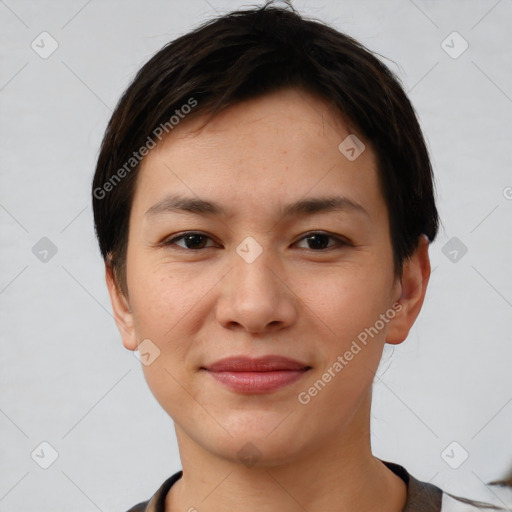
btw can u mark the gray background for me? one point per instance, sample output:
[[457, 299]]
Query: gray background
[[66, 378]]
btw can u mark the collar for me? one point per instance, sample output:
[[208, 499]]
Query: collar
[[421, 496]]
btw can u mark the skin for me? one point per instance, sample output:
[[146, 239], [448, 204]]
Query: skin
[[307, 303]]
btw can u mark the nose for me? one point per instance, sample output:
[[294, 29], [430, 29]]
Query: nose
[[256, 296]]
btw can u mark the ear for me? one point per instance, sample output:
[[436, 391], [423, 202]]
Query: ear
[[123, 315], [411, 293]]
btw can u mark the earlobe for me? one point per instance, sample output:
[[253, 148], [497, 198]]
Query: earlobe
[[123, 315], [416, 273]]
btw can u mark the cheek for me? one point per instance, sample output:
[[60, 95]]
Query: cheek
[[163, 304], [345, 309], [161, 296], [171, 305], [347, 301]]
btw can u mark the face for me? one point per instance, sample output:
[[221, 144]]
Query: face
[[248, 275]]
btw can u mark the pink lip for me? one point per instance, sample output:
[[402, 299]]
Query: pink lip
[[260, 375]]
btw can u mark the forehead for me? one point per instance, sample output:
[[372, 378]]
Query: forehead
[[281, 144], [294, 112]]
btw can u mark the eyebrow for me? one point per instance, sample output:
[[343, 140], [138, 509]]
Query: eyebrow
[[174, 203]]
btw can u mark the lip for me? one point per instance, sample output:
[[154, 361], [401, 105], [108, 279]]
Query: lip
[[256, 375], [257, 364]]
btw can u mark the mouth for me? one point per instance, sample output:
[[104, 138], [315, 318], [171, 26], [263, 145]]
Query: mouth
[[256, 376]]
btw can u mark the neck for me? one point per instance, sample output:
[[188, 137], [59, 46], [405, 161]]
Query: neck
[[338, 473]]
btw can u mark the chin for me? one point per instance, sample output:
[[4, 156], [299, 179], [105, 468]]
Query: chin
[[263, 442]]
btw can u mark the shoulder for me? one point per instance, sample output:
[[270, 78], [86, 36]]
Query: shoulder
[[157, 502], [426, 497], [140, 507]]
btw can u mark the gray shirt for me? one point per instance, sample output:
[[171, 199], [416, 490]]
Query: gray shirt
[[421, 496]]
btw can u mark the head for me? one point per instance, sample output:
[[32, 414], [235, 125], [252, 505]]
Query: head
[[217, 136]]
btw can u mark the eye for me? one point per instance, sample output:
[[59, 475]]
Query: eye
[[317, 241], [192, 240]]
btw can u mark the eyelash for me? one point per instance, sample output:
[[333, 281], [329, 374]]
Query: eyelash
[[340, 242]]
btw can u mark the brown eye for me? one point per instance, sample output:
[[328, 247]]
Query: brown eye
[[320, 241], [191, 241]]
